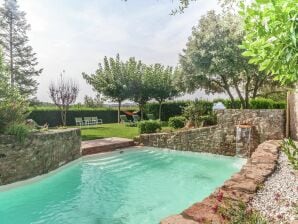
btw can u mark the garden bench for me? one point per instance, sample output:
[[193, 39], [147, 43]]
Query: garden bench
[[95, 121], [79, 121]]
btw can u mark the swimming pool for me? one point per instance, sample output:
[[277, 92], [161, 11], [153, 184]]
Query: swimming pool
[[136, 186]]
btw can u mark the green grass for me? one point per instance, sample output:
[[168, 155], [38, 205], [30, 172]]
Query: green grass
[[111, 130], [108, 130]]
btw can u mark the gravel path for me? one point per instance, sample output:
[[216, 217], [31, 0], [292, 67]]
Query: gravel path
[[278, 198]]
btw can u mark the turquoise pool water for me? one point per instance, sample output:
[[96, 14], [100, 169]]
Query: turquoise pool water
[[134, 187]]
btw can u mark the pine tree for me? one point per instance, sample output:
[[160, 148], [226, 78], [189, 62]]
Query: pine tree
[[18, 54]]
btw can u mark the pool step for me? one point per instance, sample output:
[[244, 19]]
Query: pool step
[[104, 145]]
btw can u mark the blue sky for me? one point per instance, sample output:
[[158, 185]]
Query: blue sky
[[75, 35]]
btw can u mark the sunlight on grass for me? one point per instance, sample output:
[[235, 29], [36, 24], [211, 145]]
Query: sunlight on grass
[[108, 130]]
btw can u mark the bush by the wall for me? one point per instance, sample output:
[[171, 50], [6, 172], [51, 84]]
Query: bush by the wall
[[149, 126], [177, 122], [21, 131], [208, 119]]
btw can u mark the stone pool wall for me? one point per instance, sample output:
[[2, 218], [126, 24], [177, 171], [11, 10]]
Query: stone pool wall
[[221, 139], [39, 154]]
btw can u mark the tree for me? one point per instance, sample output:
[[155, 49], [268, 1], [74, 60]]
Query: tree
[[163, 86], [111, 80], [18, 53], [212, 60], [13, 107], [271, 37], [93, 102], [140, 80], [63, 94]]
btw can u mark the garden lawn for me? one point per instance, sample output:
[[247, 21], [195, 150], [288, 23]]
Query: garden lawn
[[108, 130]]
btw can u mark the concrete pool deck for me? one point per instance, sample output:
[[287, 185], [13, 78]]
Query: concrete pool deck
[[104, 145]]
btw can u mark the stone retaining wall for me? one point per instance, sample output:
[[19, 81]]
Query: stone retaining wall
[[240, 188], [221, 139], [39, 154]]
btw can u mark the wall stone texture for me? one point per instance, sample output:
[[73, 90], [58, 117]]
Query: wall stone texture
[[39, 154], [221, 139]]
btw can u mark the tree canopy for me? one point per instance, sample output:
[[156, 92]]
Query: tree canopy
[[213, 61], [111, 80], [271, 37]]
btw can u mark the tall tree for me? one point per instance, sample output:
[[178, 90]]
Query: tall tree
[[111, 79], [18, 53], [271, 38], [213, 61], [140, 81], [163, 86]]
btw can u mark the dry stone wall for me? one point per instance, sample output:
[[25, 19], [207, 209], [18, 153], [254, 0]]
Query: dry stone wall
[[221, 139], [39, 154]]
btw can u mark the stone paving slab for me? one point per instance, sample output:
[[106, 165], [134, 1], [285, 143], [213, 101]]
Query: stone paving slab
[[104, 145]]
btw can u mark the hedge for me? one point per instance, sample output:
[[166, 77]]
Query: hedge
[[53, 117], [258, 103], [149, 126], [169, 109]]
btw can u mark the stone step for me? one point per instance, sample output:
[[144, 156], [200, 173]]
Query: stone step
[[104, 145]]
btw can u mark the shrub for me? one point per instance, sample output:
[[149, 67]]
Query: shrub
[[194, 110], [177, 122], [149, 126], [13, 108], [21, 131], [208, 119], [291, 150]]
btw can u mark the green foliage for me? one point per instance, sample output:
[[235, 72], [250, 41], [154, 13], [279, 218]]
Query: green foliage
[[170, 109], [177, 122], [163, 84], [258, 103], [213, 61], [112, 80], [149, 126], [237, 213], [21, 131], [208, 120], [291, 150], [271, 37], [173, 108], [18, 53], [194, 110], [13, 107]]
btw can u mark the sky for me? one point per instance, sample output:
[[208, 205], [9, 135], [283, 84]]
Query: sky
[[75, 35]]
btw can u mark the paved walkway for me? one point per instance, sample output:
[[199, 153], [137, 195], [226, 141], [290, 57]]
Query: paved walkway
[[104, 145]]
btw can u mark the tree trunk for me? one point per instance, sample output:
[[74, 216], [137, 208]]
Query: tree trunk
[[63, 117], [231, 97], [159, 111], [12, 78], [119, 107], [240, 96]]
